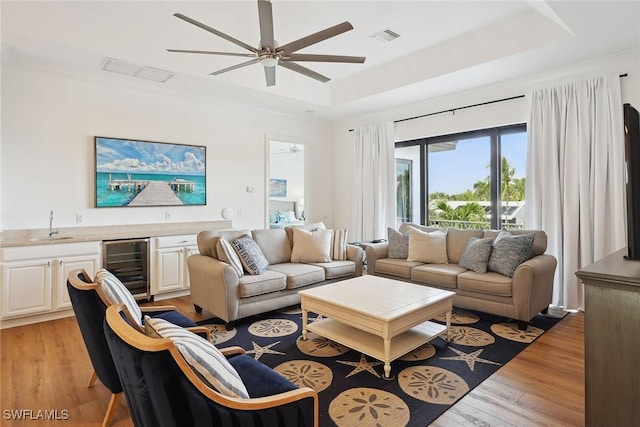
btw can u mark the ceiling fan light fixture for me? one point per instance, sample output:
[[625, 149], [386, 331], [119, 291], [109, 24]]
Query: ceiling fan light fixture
[[269, 62]]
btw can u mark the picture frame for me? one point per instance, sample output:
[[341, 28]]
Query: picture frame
[[277, 187], [135, 173]]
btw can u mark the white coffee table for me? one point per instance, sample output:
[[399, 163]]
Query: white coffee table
[[380, 317]]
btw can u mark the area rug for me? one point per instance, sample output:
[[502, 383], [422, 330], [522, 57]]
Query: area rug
[[351, 386]]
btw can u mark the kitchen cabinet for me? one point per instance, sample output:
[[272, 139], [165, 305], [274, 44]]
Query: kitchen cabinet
[[171, 253], [34, 278]]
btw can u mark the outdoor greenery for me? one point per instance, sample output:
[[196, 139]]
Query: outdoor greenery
[[513, 190]]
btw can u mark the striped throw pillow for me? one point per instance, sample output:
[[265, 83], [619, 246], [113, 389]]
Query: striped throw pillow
[[117, 293], [339, 245], [206, 361], [227, 254]]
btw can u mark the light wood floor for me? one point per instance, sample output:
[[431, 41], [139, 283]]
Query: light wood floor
[[46, 367]]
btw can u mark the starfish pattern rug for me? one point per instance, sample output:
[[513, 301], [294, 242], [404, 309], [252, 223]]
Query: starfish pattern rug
[[351, 386]]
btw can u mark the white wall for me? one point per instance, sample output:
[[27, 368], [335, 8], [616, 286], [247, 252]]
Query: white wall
[[497, 114], [49, 120]]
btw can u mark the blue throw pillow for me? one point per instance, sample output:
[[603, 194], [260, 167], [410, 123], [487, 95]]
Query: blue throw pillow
[[259, 379]]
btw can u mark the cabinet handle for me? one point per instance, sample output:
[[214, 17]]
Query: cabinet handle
[[48, 263], [60, 263], [183, 241]]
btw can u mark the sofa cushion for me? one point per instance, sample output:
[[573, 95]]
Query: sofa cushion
[[275, 245], [339, 245], [428, 247], [208, 240], [398, 244], [539, 238], [116, 292], [485, 283], [309, 227], [336, 269], [476, 254], [269, 281], [311, 246], [396, 267], [259, 379], [509, 251], [408, 226], [442, 275], [250, 254], [203, 358], [299, 275], [227, 254], [457, 242]]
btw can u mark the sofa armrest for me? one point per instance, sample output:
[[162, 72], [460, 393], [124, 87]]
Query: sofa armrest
[[356, 254], [374, 252], [533, 286], [214, 286]]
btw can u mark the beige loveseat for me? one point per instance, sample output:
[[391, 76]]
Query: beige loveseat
[[520, 297], [217, 287]]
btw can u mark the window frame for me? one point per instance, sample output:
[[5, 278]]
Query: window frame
[[494, 134]]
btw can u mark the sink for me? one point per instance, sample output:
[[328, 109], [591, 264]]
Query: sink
[[50, 239]]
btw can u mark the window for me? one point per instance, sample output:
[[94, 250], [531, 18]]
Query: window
[[467, 180]]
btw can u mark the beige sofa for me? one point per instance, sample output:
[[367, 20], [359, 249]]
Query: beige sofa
[[217, 287], [520, 297]]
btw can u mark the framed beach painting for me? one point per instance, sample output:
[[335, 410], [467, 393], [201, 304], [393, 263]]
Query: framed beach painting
[[278, 188], [146, 173]]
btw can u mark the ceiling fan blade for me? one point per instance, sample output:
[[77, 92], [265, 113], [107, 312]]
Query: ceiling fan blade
[[316, 37], [216, 32], [235, 67], [270, 75], [208, 52], [325, 58], [265, 15], [303, 70]]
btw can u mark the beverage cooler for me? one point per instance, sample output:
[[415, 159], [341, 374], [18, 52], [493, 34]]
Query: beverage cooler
[[128, 260]]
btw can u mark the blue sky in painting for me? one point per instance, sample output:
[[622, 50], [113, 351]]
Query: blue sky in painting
[[121, 155]]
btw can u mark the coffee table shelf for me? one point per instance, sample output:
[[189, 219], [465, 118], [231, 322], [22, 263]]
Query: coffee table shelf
[[373, 345]]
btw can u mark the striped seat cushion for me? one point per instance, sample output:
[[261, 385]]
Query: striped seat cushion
[[206, 361]]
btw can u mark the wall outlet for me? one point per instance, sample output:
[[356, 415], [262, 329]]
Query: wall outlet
[[79, 218], [250, 189], [167, 216]]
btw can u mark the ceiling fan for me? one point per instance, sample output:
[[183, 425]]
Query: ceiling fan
[[269, 54]]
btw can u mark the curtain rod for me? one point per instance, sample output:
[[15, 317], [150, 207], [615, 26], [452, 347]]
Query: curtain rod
[[453, 110]]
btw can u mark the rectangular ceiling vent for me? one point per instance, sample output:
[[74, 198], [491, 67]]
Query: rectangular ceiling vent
[[385, 36], [134, 70]]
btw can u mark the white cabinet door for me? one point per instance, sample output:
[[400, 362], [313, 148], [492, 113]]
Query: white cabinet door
[[90, 263], [171, 253], [26, 287], [170, 272]]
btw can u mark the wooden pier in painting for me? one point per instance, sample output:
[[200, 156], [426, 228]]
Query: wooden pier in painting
[[156, 193]]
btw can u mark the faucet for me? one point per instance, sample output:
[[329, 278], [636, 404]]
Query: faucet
[[51, 232]]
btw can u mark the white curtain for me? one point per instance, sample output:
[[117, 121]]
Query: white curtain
[[575, 177], [373, 181]]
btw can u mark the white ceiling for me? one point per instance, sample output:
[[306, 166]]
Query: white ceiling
[[444, 46]]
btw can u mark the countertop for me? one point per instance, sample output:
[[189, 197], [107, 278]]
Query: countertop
[[31, 237]]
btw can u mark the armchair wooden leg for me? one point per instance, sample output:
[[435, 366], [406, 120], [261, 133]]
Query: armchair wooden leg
[[115, 398], [92, 380]]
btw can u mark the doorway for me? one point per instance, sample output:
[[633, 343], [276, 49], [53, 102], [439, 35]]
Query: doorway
[[286, 186]]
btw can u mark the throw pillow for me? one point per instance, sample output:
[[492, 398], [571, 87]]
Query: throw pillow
[[509, 251], [430, 248], [250, 255], [206, 361], [227, 254], [476, 254], [282, 217], [398, 244], [311, 246], [339, 245], [116, 293]]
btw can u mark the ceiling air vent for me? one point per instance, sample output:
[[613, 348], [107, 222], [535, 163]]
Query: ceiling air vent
[[385, 36], [135, 70]]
